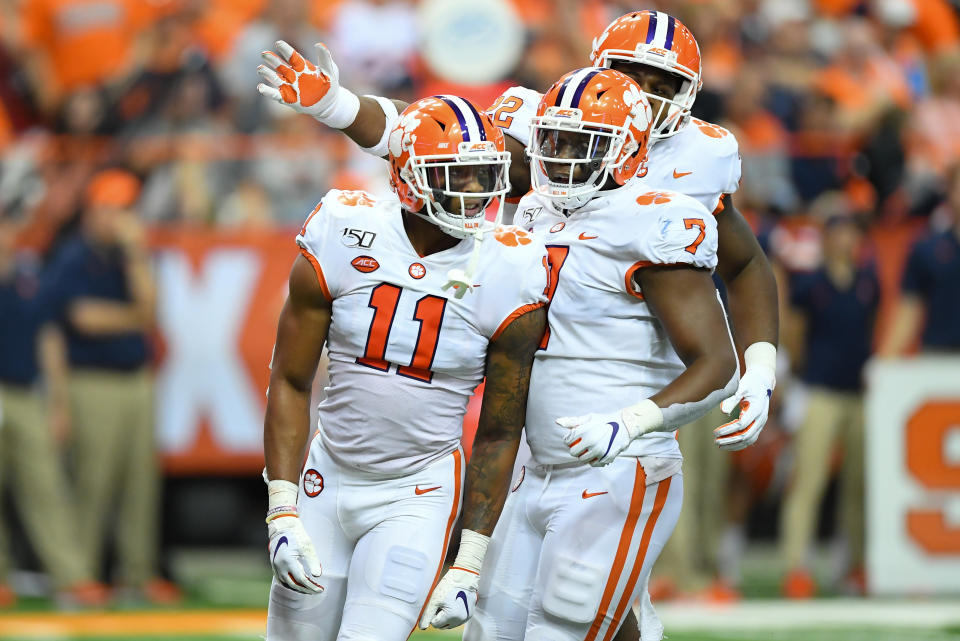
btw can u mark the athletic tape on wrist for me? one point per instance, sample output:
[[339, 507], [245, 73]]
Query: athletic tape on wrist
[[343, 111], [473, 547]]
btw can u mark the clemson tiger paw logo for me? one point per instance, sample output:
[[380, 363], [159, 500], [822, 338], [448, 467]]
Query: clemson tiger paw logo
[[403, 137], [356, 199], [653, 198], [512, 236], [711, 130]]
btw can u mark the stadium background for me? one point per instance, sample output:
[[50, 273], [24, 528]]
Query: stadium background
[[840, 107]]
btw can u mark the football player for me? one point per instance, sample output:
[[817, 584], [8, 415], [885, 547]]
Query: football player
[[417, 298], [637, 346], [686, 154]]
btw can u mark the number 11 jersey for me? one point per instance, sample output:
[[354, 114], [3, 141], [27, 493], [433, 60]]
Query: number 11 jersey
[[405, 354]]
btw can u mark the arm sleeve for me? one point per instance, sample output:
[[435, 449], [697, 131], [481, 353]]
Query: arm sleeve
[[392, 116], [521, 271], [684, 233], [313, 241]]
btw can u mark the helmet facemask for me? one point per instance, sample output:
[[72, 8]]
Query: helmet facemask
[[671, 114], [457, 189], [572, 159]]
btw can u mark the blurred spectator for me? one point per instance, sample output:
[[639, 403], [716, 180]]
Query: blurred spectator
[[764, 145], [829, 336], [104, 296], [71, 44], [287, 20], [931, 286], [376, 42], [933, 137], [31, 427]]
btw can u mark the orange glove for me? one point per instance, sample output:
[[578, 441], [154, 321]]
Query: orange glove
[[290, 79]]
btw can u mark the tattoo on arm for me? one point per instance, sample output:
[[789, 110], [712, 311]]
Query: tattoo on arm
[[509, 363]]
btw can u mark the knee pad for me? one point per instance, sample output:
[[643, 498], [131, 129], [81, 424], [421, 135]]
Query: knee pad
[[573, 590], [404, 574]]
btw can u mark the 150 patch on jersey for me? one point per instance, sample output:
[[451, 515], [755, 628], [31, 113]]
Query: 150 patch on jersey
[[357, 238]]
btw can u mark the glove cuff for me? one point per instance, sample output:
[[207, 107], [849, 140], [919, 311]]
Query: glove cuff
[[473, 547], [342, 111], [641, 418], [281, 499], [762, 356]]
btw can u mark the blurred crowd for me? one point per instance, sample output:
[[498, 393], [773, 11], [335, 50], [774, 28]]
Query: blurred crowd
[[118, 115]]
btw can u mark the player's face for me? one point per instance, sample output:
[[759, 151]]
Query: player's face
[[466, 179], [572, 145], [655, 82]]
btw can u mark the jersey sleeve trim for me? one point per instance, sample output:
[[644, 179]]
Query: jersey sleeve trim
[[719, 208], [640, 264], [514, 315], [320, 278]]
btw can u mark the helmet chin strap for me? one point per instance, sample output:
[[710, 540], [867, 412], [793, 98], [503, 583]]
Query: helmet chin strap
[[462, 280]]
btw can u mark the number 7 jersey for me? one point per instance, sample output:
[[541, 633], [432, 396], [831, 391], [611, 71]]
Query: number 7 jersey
[[405, 354], [605, 348]]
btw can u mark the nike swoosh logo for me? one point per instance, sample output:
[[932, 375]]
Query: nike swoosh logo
[[419, 491], [281, 541], [590, 495], [583, 236], [463, 597], [681, 174], [616, 428]]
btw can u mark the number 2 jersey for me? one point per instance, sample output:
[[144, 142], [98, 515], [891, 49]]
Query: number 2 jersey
[[702, 160], [605, 349], [405, 354]]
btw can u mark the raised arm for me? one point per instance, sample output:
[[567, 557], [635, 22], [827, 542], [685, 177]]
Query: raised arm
[[509, 362], [752, 293], [301, 333]]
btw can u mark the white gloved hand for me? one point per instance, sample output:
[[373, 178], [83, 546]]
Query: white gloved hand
[[753, 397], [454, 599], [292, 557], [598, 439], [292, 80]]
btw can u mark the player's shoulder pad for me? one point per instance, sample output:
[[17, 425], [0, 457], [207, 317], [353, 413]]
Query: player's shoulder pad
[[336, 208], [680, 230], [514, 245], [712, 139]]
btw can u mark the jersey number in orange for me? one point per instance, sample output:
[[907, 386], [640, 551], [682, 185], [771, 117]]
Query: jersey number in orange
[[502, 107], [428, 312], [690, 223], [553, 262]]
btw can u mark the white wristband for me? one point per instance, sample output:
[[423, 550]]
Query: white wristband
[[342, 112], [761, 355], [473, 547], [281, 494], [641, 418], [391, 116]]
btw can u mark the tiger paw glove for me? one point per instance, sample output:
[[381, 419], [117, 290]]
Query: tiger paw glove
[[752, 396], [598, 439], [292, 557], [290, 79], [454, 599]]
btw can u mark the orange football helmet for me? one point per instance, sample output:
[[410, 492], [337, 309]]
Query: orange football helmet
[[448, 162], [659, 40], [591, 124]]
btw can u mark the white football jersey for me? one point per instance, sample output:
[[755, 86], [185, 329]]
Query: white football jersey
[[605, 349], [702, 160], [405, 355]]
